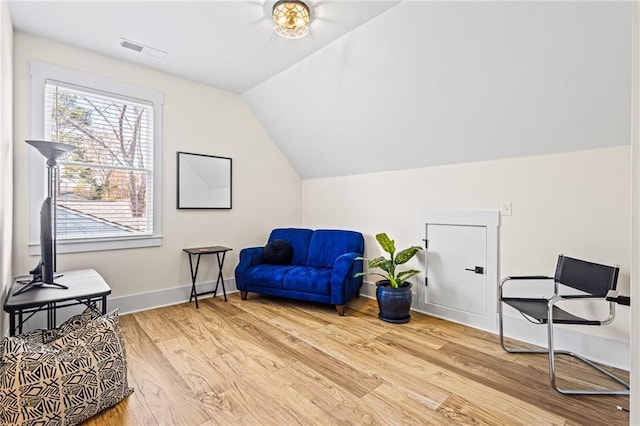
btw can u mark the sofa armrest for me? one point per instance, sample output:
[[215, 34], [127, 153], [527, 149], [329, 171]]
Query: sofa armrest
[[249, 257], [343, 284]]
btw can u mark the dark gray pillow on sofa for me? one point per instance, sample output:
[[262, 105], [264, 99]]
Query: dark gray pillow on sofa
[[278, 252]]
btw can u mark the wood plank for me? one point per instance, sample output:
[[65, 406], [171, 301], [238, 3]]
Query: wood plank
[[123, 414], [211, 389], [571, 372], [205, 327], [374, 363], [394, 407], [512, 410], [483, 369], [156, 329], [465, 413], [266, 396], [292, 348], [226, 309], [327, 395], [271, 308], [274, 361], [161, 386]]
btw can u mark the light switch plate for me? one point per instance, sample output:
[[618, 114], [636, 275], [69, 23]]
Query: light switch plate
[[505, 208]]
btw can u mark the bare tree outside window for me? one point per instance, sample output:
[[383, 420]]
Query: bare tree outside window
[[104, 183]]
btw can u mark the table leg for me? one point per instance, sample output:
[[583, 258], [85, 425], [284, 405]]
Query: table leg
[[220, 279], [194, 274], [12, 323], [104, 305], [20, 321], [51, 315]]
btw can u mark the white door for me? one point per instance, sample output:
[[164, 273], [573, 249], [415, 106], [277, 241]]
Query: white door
[[456, 264]]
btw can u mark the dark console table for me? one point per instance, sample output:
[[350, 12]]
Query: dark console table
[[86, 286], [196, 252]]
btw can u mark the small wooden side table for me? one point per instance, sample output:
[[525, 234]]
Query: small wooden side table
[[196, 252]]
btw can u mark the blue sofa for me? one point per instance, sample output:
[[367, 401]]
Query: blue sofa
[[321, 268]]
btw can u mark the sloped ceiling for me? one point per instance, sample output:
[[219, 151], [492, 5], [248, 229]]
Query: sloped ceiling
[[228, 44], [430, 83], [386, 85]]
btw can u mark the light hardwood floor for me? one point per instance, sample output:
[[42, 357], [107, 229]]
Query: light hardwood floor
[[279, 362]]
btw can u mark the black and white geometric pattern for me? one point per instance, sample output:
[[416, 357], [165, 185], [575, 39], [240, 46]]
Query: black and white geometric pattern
[[66, 380]]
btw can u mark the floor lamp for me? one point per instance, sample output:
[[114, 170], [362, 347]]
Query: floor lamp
[[43, 272]]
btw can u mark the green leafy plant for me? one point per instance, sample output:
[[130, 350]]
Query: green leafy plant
[[388, 265]]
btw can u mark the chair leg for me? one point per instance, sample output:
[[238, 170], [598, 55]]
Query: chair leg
[[501, 334], [552, 371], [551, 352], [340, 309], [243, 294]]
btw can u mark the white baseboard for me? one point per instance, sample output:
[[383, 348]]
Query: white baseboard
[[166, 297], [611, 352], [597, 348], [368, 289], [133, 303]]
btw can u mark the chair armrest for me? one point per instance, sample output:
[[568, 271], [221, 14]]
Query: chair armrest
[[249, 257], [528, 277], [614, 296], [521, 278], [579, 297], [342, 274]]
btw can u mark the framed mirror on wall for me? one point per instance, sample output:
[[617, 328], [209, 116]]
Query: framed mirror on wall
[[204, 181]]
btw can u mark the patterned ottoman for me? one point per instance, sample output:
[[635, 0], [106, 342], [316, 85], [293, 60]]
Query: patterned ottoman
[[66, 375]]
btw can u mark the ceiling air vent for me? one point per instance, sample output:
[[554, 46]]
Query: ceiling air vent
[[130, 45], [141, 48]]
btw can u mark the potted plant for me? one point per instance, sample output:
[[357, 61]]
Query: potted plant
[[393, 292]]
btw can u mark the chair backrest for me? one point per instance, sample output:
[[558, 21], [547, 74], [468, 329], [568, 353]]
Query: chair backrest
[[589, 277]]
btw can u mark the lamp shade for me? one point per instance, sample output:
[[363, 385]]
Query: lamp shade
[[51, 150], [291, 18]]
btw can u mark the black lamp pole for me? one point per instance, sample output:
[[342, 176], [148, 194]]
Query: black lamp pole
[[52, 151]]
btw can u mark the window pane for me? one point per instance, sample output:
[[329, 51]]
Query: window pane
[[107, 131], [102, 202], [105, 185]]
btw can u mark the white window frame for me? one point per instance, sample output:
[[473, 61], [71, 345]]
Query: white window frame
[[39, 72]]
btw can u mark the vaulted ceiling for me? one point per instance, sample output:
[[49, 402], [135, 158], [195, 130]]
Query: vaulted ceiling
[[381, 85]]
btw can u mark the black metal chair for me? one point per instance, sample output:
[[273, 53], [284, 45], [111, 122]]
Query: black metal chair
[[594, 281]]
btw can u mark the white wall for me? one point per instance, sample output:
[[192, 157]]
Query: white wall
[[574, 203], [198, 119], [444, 82], [635, 229], [6, 153]]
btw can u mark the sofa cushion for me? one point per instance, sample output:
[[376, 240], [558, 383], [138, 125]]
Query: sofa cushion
[[308, 279], [66, 381], [277, 252], [327, 244], [267, 275], [299, 239]]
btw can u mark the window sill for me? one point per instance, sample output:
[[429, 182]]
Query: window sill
[[81, 246]]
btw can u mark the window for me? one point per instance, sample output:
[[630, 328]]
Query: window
[[108, 192]]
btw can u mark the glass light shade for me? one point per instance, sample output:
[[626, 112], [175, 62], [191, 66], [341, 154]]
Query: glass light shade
[[291, 18]]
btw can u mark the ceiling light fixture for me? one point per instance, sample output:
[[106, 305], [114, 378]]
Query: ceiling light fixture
[[291, 18]]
